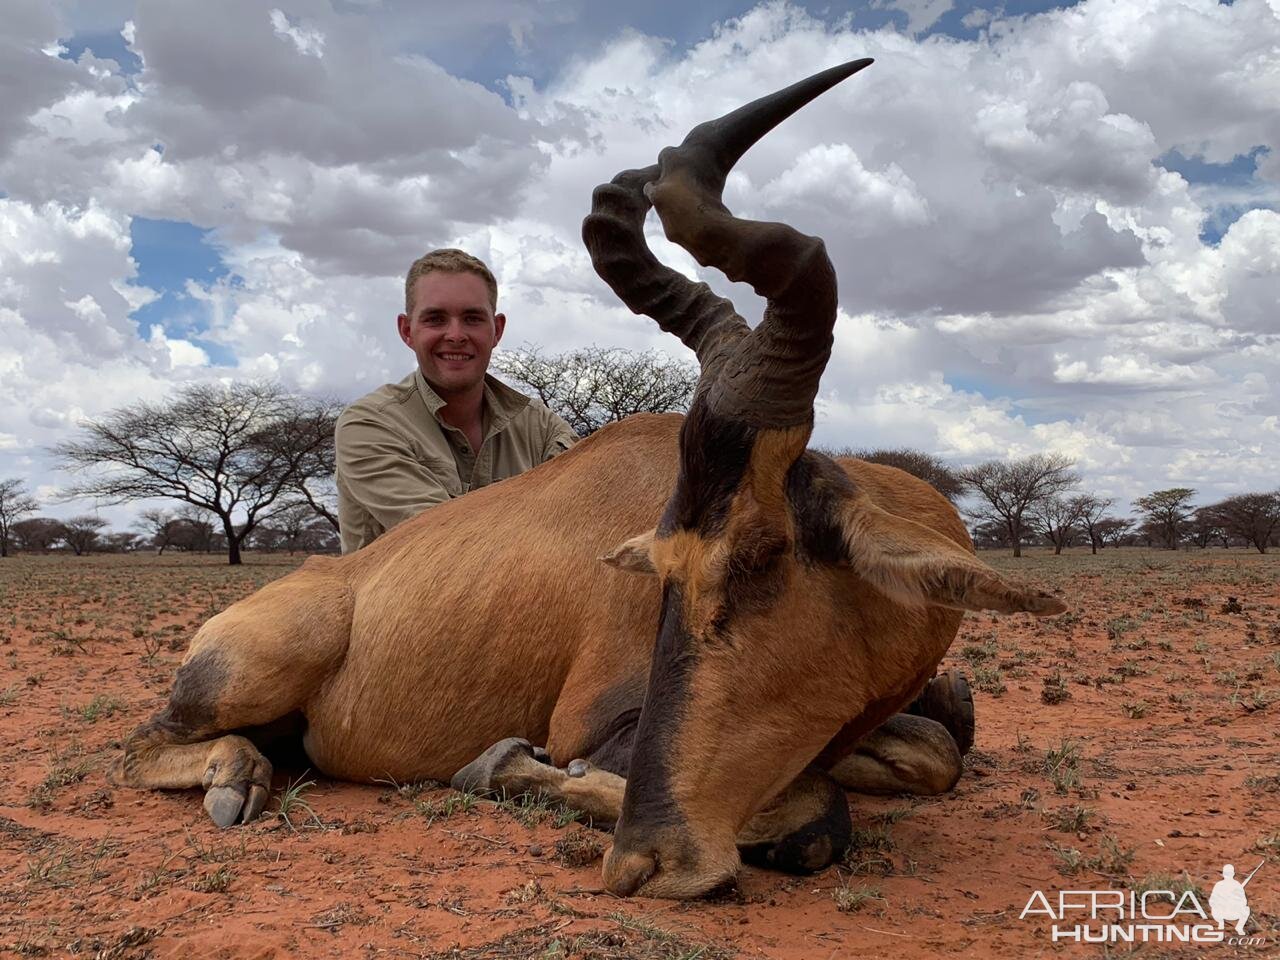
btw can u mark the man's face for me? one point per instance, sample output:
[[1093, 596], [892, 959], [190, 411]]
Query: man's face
[[453, 330]]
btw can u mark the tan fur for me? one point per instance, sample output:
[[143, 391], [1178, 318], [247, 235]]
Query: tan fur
[[914, 565]]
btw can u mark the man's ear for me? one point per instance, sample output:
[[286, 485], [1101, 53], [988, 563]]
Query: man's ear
[[499, 324], [915, 564], [402, 326], [634, 555]]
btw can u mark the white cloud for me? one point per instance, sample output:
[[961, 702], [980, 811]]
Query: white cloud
[[308, 42], [1016, 271]]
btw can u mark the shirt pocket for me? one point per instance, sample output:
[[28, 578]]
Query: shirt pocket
[[444, 472]]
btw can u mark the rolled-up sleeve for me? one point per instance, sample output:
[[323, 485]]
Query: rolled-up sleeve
[[379, 472], [559, 437]]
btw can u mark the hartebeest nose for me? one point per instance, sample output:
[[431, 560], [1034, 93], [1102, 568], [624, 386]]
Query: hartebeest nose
[[626, 871]]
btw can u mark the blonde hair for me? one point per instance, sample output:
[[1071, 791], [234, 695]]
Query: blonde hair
[[448, 260]]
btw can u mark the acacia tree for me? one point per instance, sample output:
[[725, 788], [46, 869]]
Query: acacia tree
[[1113, 530], [37, 533], [1009, 488], [594, 385], [1166, 511], [161, 527], [1253, 517], [235, 451], [1205, 525], [1093, 514], [313, 483], [1056, 518], [81, 533], [15, 503]]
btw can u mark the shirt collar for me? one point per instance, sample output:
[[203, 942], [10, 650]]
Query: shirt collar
[[501, 402]]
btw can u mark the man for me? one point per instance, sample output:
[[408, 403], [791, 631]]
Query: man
[[448, 427]]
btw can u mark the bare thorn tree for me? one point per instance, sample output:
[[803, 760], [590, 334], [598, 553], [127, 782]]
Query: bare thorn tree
[[15, 503], [1113, 530], [1057, 517], [235, 451], [1093, 511], [1253, 517], [1009, 488], [1167, 512], [594, 386]]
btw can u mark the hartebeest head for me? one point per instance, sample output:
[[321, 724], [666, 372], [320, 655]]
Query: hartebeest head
[[781, 584]]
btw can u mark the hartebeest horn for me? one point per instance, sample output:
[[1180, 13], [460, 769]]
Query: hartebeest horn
[[614, 235], [770, 377]]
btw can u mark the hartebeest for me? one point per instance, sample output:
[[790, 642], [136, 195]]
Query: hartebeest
[[788, 606]]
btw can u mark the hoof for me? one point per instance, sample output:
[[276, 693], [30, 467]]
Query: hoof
[[482, 774], [948, 700], [224, 804]]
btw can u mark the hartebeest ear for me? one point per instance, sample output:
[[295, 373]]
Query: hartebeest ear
[[634, 555], [914, 564]]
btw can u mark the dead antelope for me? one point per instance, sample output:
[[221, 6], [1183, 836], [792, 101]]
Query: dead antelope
[[761, 615]]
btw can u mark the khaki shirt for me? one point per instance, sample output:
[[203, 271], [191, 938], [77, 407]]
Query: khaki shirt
[[396, 457]]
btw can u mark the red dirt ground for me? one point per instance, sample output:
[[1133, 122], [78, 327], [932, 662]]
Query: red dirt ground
[[1160, 763]]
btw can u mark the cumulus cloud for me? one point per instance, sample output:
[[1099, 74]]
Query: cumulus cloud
[[1017, 269]]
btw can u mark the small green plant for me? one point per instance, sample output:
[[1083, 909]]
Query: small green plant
[[868, 851], [1073, 819], [446, 807], [219, 881], [1134, 709], [1062, 766], [989, 680], [292, 803], [976, 654], [1117, 628], [99, 707], [1111, 857], [852, 899], [50, 867], [1069, 859], [1055, 689]]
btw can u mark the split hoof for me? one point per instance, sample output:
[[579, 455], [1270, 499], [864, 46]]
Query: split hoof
[[948, 700], [482, 774], [224, 804]]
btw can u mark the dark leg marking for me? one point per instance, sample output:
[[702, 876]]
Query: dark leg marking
[[805, 830]]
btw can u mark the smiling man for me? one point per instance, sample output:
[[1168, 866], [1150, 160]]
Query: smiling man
[[448, 427]]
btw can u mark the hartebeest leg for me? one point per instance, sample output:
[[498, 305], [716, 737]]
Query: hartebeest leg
[[258, 661], [905, 754], [509, 768], [805, 828]]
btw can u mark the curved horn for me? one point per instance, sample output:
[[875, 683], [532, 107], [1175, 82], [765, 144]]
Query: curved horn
[[711, 149], [614, 235], [771, 376]]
